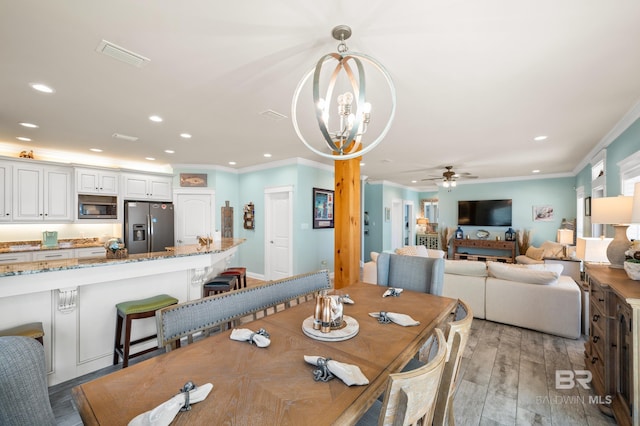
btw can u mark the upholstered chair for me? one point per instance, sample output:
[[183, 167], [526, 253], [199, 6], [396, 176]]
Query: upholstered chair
[[424, 274]]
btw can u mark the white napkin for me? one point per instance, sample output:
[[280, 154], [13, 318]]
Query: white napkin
[[348, 300], [350, 374], [164, 413], [392, 290], [401, 319], [245, 335]]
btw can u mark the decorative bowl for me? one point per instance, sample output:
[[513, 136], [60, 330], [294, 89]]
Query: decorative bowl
[[633, 270]]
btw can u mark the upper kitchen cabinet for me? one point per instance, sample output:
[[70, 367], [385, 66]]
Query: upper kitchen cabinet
[[96, 181], [5, 192], [42, 193], [147, 187]]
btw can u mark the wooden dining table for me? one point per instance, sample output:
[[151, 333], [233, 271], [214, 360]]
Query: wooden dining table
[[272, 385]]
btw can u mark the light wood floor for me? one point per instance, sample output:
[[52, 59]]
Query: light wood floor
[[508, 378]]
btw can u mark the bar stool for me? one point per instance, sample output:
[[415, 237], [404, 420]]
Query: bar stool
[[132, 310], [33, 330], [240, 272], [219, 284]]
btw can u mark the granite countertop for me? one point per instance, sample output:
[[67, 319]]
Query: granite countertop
[[36, 245], [24, 268]]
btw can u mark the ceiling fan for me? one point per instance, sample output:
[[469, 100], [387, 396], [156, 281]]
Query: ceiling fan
[[449, 177]]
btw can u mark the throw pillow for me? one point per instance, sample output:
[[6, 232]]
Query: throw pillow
[[407, 251], [552, 249], [469, 268], [521, 273], [421, 251], [553, 267], [535, 253], [374, 256]]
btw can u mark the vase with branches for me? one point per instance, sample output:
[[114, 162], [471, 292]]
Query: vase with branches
[[445, 238], [524, 240]]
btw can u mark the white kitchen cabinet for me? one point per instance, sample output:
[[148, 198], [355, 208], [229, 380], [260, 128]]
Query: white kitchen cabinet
[[81, 253], [41, 193], [147, 187], [14, 257], [52, 255], [96, 181], [5, 192]]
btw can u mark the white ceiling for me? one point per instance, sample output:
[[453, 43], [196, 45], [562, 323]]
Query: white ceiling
[[476, 81]]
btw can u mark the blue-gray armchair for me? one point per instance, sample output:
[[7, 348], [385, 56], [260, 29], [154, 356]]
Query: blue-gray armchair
[[425, 274], [24, 397]]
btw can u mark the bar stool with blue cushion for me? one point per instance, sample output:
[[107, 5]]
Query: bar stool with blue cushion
[[239, 272], [33, 330], [219, 284], [132, 310]]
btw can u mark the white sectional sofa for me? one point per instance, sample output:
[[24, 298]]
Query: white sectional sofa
[[537, 297]]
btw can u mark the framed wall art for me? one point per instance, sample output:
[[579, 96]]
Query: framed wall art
[[193, 179], [542, 213], [322, 208], [587, 206]]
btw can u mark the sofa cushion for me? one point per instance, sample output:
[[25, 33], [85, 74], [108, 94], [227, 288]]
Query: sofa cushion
[[374, 256], [535, 253], [521, 273], [408, 250], [470, 268], [552, 249], [553, 267]]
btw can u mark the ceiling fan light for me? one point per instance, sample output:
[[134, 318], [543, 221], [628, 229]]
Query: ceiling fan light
[[453, 183], [445, 183]]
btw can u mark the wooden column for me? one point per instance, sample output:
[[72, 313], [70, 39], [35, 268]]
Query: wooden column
[[347, 222]]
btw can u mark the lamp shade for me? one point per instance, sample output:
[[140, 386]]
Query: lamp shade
[[565, 236], [593, 249], [635, 209], [611, 210]]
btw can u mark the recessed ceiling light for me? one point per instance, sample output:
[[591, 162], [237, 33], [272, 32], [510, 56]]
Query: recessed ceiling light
[[540, 138], [414, 181], [22, 138], [185, 135], [124, 137], [150, 158], [232, 163], [42, 87], [535, 171], [155, 118], [362, 164], [29, 125], [169, 151], [95, 149], [267, 155]]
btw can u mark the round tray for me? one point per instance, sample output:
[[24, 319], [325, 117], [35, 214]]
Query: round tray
[[344, 333]]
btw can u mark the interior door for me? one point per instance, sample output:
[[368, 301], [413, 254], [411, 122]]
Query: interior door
[[194, 216], [278, 224]]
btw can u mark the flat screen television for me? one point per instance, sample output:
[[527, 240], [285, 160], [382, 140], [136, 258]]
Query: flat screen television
[[484, 213]]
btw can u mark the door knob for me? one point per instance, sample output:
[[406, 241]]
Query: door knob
[[271, 241]]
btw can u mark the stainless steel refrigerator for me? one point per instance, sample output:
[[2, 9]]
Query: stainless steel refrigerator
[[148, 226]]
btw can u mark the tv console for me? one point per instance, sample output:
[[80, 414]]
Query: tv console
[[504, 246]]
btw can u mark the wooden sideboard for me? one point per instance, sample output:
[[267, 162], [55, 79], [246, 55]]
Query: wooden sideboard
[[482, 245], [612, 349]]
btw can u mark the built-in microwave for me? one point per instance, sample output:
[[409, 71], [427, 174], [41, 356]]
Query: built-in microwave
[[97, 207]]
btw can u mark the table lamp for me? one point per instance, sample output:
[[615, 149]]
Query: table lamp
[[423, 222], [565, 237], [592, 250], [614, 211]]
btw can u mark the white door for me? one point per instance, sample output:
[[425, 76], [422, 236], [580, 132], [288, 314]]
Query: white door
[[278, 231], [397, 224], [194, 215]]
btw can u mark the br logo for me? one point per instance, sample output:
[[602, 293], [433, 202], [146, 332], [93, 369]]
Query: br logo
[[567, 379]]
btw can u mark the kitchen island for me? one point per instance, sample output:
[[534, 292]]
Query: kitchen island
[[75, 298]]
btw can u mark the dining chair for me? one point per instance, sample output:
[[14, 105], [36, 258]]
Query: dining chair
[[24, 396], [423, 274], [410, 397], [457, 336]]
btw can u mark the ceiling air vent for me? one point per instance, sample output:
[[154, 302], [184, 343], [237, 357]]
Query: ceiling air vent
[[124, 137], [121, 54]]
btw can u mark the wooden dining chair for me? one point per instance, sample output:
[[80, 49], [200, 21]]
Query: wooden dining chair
[[457, 336], [410, 397]]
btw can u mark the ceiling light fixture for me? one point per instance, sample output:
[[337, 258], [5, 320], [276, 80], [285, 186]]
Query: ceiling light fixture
[[150, 158], [124, 137], [185, 135], [169, 151], [155, 118], [267, 155], [540, 138], [535, 171], [344, 141], [449, 178], [23, 139], [29, 125], [95, 149], [232, 163], [41, 87]]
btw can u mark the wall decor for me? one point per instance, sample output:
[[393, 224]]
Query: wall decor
[[226, 220], [587, 206], [322, 208], [542, 213], [249, 218], [387, 214], [193, 179]]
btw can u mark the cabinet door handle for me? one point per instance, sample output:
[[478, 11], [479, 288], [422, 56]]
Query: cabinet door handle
[[600, 300], [596, 317], [595, 339], [594, 360]]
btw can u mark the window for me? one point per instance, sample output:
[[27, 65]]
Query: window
[[629, 176]]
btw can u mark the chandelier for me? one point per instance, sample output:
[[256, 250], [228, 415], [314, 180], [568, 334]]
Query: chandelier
[[352, 111]]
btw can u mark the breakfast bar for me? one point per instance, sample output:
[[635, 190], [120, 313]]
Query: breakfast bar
[[75, 298]]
